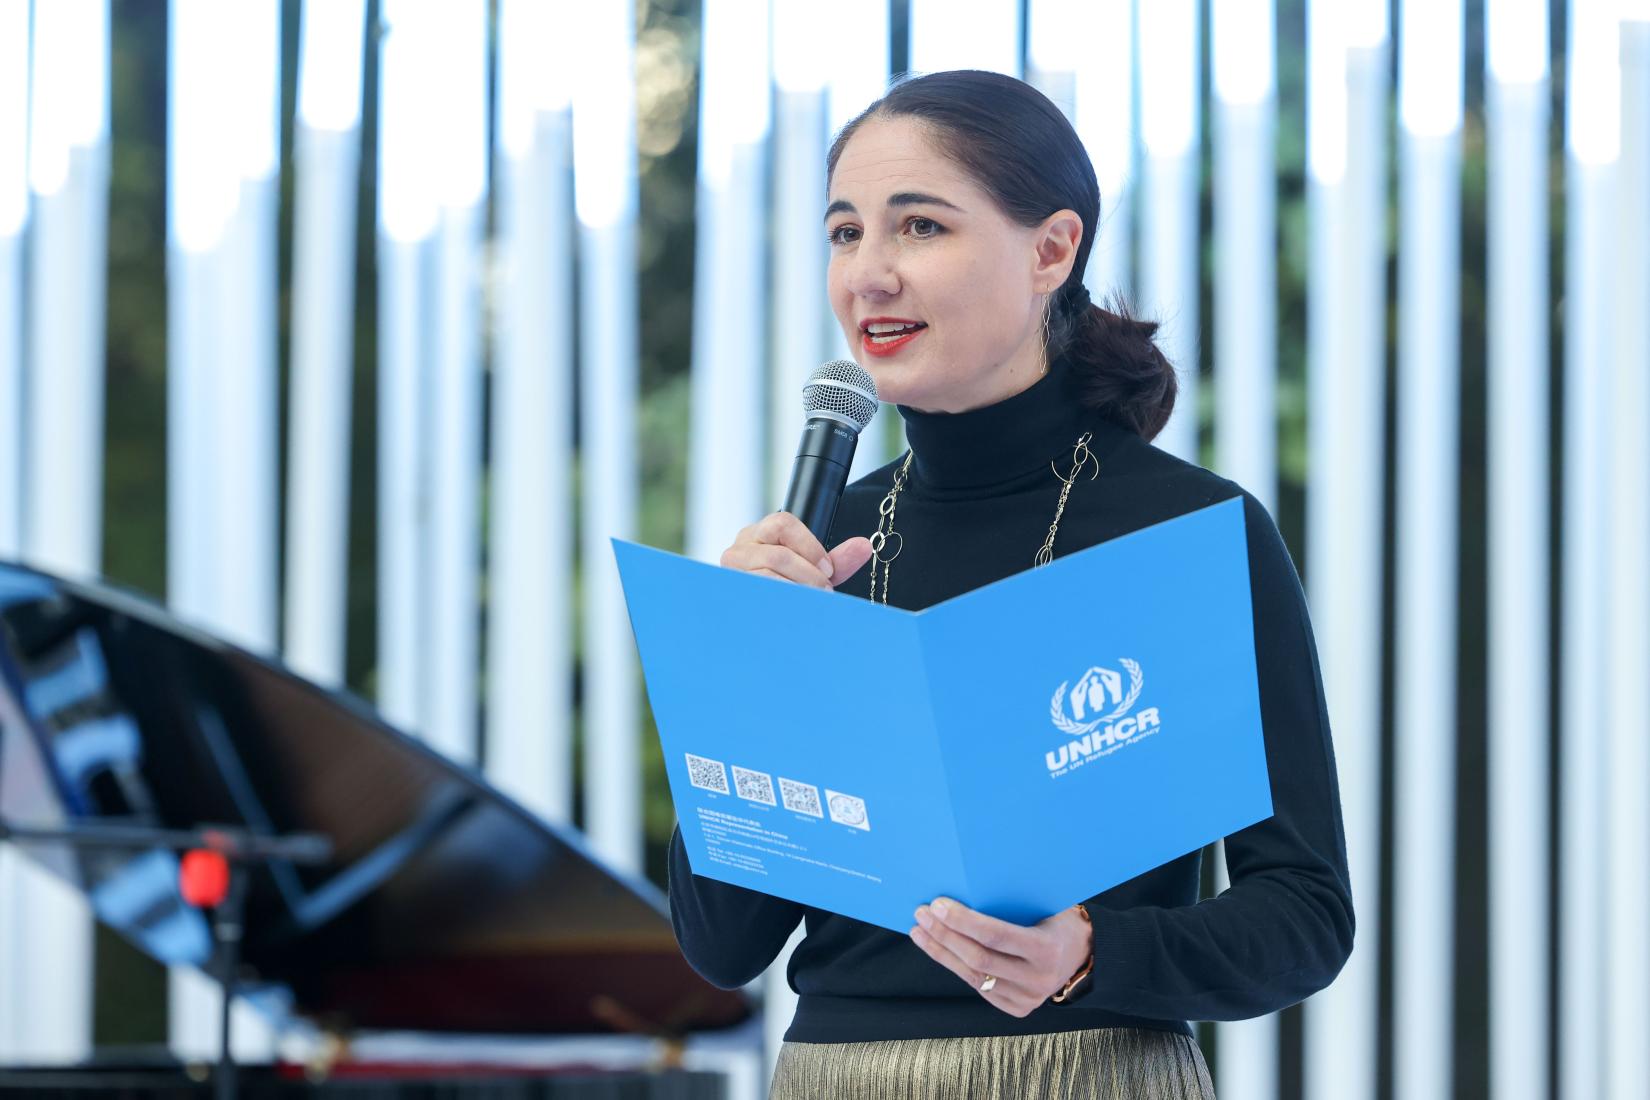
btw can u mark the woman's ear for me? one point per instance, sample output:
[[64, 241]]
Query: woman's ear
[[1057, 241]]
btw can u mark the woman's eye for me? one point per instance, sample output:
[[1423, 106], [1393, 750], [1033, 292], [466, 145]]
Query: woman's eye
[[920, 227]]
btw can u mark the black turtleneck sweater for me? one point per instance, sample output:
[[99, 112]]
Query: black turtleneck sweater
[[975, 509]]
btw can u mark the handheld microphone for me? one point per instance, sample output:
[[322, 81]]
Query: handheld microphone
[[839, 399]]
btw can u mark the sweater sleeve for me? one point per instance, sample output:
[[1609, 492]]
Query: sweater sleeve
[[1284, 928], [727, 933]]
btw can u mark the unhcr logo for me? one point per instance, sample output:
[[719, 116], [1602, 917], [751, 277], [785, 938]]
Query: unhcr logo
[[1095, 715]]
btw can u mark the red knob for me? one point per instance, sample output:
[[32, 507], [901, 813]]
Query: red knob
[[203, 878]]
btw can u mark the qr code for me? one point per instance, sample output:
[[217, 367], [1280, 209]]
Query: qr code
[[707, 774], [756, 786], [846, 809], [801, 797]]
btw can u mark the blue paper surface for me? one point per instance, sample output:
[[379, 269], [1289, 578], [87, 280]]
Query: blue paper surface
[[1022, 747]]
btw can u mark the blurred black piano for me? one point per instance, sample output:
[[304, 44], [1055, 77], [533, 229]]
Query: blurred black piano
[[446, 910]]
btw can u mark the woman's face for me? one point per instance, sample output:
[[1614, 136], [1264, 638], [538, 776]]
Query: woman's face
[[915, 242]]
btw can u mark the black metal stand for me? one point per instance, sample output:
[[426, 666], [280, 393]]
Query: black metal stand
[[239, 848]]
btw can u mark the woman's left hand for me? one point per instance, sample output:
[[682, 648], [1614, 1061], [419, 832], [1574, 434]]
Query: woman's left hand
[[1030, 964]]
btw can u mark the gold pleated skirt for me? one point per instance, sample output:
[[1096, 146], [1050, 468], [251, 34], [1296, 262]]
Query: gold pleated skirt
[[1113, 1063]]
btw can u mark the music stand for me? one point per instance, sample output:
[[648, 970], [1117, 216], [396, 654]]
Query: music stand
[[237, 848]]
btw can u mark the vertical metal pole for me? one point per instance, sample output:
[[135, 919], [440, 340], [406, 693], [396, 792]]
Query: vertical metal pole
[[1170, 129], [63, 456], [1344, 521], [1627, 702], [1592, 142], [1242, 44], [725, 453], [1519, 630], [327, 158], [605, 196], [530, 572]]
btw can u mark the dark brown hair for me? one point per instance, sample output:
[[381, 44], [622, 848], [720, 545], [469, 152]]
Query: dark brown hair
[[1022, 151]]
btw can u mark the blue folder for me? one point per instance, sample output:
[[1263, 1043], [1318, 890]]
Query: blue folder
[[1021, 747]]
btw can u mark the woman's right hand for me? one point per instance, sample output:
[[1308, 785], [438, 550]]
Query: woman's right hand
[[778, 545]]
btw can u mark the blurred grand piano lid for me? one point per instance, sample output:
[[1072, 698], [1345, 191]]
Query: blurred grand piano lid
[[447, 907]]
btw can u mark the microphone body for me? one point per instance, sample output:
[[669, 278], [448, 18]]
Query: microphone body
[[838, 399], [820, 473]]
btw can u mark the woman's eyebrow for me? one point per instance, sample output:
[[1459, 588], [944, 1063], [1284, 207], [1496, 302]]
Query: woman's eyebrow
[[899, 198]]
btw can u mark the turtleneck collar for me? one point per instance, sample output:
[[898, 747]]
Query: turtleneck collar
[[1000, 442]]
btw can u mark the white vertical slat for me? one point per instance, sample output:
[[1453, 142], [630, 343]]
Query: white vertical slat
[[458, 135], [68, 169], [1169, 130], [246, 511], [858, 77], [327, 159], [1428, 472], [725, 452], [1245, 175], [965, 34], [1057, 31], [605, 197], [406, 224], [1347, 382], [1519, 631], [1592, 142], [804, 332], [14, 220], [1627, 641], [530, 573], [1105, 121], [1242, 45], [221, 537], [48, 980]]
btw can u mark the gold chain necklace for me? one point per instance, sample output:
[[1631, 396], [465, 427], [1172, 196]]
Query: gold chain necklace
[[1080, 457]]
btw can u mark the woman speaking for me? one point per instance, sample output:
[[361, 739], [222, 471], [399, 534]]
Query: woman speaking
[[961, 211]]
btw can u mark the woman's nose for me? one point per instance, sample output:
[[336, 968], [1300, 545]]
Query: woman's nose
[[871, 271]]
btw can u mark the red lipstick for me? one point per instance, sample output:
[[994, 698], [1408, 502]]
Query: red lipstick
[[887, 347]]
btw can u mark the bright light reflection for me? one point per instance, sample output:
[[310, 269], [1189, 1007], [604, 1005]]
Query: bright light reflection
[[224, 105], [70, 103], [1056, 44], [1430, 66], [406, 189], [202, 186], [734, 109], [329, 64], [604, 147], [457, 65], [860, 75], [1105, 92], [14, 116], [254, 74], [1517, 33], [1326, 100], [965, 34], [799, 62], [534, 59], [1367, 22], [1594, 100], [1168, 76], [1243, 46]]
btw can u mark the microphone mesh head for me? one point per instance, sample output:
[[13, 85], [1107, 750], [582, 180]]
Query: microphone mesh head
[[842, 387]]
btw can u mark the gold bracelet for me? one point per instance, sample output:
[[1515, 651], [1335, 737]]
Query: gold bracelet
[[1087, 967]]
